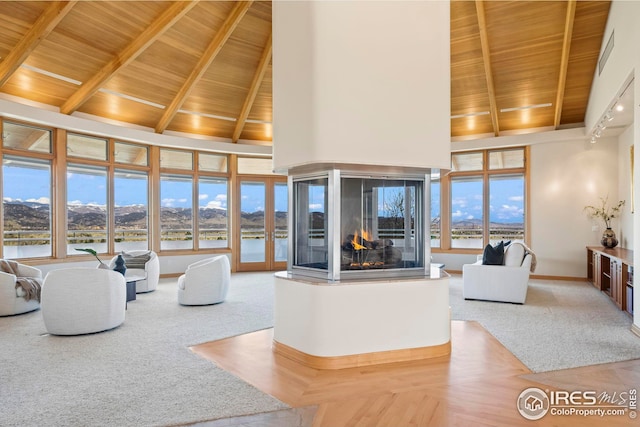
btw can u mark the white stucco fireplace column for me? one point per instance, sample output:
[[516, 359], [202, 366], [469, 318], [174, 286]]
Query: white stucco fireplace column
[[361, 89]]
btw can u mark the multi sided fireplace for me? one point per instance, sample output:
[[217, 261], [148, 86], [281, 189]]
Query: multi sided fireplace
[[352, 223]]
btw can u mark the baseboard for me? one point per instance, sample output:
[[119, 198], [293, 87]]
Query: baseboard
[[359, 360], [535, 276], [565, 278], [635, 329]]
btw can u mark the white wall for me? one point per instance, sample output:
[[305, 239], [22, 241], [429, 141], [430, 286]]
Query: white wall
[[566, 177], [625, 222], [350, 80]]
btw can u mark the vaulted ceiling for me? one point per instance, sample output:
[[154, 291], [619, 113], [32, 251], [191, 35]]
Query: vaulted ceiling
[[204, 67]]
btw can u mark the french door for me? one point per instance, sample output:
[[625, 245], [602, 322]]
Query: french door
[[261, 216]]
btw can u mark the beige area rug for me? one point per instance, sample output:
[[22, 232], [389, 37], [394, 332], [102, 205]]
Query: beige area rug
[[139, 374], [561, 325]]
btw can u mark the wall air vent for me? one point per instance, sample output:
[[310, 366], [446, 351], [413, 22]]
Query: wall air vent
[[605, 53]]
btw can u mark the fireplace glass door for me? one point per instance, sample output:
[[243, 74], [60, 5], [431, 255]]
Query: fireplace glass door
[[350, 226], [380, 220], [311, 228]]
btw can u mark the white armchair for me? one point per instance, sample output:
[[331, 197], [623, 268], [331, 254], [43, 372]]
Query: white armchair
[[205, 282], [504, 283], [13, 300], [82, 300], [141, 263]]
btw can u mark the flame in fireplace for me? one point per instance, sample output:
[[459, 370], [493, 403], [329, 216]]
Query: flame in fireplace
[[366, 235]]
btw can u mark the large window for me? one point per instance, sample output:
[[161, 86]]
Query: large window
[[213, 221], [466, 212], [27, 216], [26, 205], [86, 208], [485, 200], [194, 189], [506, 209], [131, 210], [436, 220], [176, 212]]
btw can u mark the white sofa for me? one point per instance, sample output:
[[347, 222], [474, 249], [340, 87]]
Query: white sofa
[[12, 299], [82, 300], [504, 283], [149, 270], [205, 282]]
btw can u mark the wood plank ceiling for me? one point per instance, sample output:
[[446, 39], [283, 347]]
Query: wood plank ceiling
[[204, 67]]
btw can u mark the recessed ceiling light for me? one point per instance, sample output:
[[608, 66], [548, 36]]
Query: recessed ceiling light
[[526, 107], [50, 74], [460, 116], [619, 107]]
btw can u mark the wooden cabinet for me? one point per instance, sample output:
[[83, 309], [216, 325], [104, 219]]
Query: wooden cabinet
[[611, 271]]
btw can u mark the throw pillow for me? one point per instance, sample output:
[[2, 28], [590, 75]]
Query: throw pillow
[[493, 255], [136, 261]]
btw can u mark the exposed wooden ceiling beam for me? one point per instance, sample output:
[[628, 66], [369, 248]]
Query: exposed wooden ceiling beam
[[165, 21], [253, 90], [221, 37], [564, 62], [486, 57], [40, 29]]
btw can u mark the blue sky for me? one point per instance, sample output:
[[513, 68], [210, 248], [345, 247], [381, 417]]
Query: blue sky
[[29, 184], [506, 200]]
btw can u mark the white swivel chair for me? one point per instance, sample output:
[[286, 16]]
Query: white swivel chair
[[504, 283], [13, 300], [205, 282], [141, 263], [82, 300]]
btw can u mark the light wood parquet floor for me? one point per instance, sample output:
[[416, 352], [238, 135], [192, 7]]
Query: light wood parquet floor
[[477, 385]]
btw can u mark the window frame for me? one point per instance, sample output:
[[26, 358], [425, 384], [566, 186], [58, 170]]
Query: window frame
[[195, 174], [111, 165], [485, 173], [50, 158]]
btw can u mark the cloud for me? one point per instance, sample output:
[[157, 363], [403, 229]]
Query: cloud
[[456, 214], [516, 198], [217, 204], [43, 200], [508, 212], [315, 205], [460, 202], [203, 197], [169, 202], [221, 197]]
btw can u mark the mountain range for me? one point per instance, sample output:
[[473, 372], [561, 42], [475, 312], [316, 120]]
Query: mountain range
[[35, 216]]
